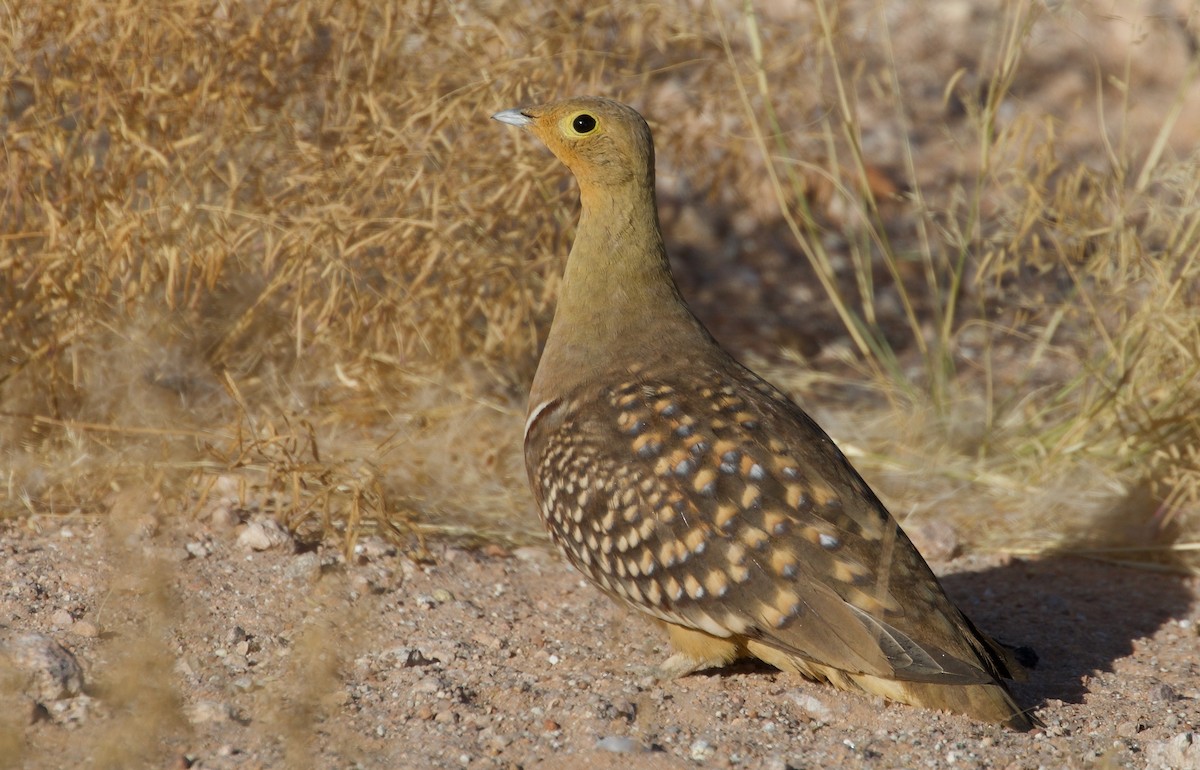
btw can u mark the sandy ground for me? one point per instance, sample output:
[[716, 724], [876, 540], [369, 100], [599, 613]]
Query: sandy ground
[[196, 650]]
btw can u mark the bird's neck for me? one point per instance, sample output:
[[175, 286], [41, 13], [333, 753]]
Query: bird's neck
[[618, 304]]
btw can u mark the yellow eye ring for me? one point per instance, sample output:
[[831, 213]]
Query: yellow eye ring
[[583, 124]]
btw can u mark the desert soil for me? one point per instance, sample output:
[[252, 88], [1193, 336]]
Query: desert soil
[[219, 643]]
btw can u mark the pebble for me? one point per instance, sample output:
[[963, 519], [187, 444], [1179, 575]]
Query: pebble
[[305, 568], [533, 555], [1181, 751], [207, 712], [263, 534], [619, 744], [49, 670], [936, 540], [62, 619], [86, 629], [700, 750], [812, 706], [372, 549], [1129, 729], [1162, 692], [224, 517]]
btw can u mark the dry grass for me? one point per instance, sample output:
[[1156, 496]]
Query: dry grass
[[276, 252]]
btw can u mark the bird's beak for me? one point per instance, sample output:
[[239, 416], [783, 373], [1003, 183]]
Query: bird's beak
[[513, 118]]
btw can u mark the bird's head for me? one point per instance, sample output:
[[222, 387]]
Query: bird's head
[[604, 143]]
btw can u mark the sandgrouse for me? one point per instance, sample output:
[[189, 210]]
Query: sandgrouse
[[685, 486]]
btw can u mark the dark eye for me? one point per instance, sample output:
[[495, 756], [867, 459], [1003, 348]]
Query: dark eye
[[584, 124]]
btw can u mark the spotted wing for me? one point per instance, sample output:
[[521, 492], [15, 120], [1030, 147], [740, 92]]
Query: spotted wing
[[720, 506]]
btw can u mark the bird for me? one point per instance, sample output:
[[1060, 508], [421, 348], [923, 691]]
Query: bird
[[688, 488]]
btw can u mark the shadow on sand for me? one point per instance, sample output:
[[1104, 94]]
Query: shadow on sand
[[1078, 615]]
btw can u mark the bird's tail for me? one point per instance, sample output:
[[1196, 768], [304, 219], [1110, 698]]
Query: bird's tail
[[989, 702]]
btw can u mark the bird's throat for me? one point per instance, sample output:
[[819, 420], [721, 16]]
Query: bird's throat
[[618, 303]]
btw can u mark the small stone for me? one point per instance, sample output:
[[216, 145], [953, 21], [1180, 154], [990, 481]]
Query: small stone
[[424, 712], [224, 517], [71, 712], [533, 555], [48, 671], [207, 712], [360, 584], [369, 549], [1162, 692], [1129, 729], [1182, 751], [441, 596], [263, 534], [700, 750], [305, 568], [936, 540], [810, 705], [62, 619], [85, 628], [619, 744], [549, 725]]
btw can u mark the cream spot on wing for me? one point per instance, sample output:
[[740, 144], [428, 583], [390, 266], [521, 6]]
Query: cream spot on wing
[[775, 523], [666, 554], [784, 563], [648, 445], [648, 562], [717, 583], [772, 616], [754, 537]]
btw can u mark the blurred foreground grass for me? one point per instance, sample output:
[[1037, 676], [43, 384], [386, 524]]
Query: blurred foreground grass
[[276, 255]]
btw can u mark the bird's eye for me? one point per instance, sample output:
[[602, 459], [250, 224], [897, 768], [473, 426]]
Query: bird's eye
[[583, 123]]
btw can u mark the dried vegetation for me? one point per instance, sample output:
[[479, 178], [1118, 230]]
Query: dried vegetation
[[277, 252]]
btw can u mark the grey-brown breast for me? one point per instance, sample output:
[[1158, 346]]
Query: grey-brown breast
[[715, 503]]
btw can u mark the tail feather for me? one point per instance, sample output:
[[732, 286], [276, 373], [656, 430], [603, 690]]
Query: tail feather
[[985, 702], [990, 702]]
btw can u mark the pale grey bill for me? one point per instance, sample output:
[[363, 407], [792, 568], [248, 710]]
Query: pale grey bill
[[513, 118]]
